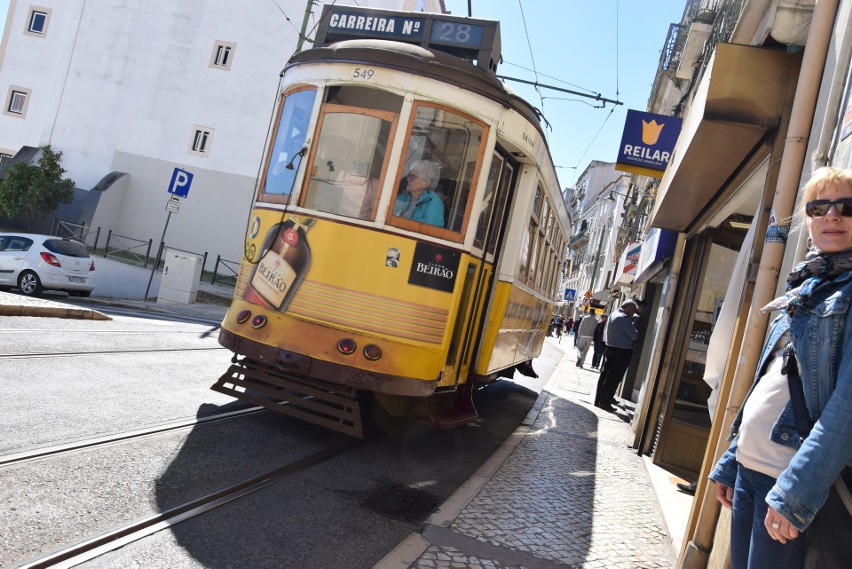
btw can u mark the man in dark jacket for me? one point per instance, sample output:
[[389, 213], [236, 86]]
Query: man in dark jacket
[[619, 335], [599, 345]]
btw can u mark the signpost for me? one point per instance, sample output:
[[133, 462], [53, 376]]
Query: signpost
[[179, 188], [180, 182], [173, 206]]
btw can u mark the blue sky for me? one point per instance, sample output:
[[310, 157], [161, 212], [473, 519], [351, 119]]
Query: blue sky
[[610, 47]]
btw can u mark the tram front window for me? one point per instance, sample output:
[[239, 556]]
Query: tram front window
[[441, 159], [289, 146], [348, 161]]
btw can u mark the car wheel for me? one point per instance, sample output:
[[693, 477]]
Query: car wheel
[[29, 283]]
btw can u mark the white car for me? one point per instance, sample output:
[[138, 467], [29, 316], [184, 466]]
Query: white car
[[34, 263]]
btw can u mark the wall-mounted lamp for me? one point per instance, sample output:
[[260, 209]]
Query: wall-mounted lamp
[[738, 222], [613, 193]]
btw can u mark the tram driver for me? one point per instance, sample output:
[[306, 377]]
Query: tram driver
[[418, 201]]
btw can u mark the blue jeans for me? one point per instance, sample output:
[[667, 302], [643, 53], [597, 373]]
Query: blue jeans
[[751, 545]]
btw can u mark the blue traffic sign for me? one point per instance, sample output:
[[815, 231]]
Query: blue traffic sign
[[570, 294], [180, 182]]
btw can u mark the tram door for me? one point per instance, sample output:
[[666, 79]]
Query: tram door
[[477, 274]]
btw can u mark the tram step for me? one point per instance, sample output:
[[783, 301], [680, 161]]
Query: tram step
[[320, 403]]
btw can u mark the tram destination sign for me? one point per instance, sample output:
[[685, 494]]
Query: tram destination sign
[[464, 37]]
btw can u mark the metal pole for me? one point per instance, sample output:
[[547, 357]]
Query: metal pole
[[304, 29], [597, 262], [157, 262]]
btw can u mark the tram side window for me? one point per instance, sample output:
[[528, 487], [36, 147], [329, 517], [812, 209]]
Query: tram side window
[[288, 148], [526, 247], [488, 201], [348, 161], [441, 159]]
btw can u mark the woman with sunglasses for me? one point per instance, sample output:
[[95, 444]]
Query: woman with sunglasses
[[780, 482], [419, 202]]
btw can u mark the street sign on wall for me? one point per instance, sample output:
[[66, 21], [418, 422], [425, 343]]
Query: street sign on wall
[[647, 143]]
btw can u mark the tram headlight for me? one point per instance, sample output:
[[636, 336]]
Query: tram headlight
[[243, 316], [372, 352], [258, 321], [347, 346]]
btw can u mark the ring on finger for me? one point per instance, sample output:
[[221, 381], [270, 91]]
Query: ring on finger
[[775, 525]]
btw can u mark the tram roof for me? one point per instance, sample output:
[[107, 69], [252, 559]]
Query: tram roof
[[424, 62]]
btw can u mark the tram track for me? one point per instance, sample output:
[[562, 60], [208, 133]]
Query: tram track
[[81, 552], [93, 443], [38, 355]]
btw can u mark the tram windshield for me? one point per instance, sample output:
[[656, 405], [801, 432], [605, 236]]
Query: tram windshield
[[348, 161], [289, 145], [347, 164]]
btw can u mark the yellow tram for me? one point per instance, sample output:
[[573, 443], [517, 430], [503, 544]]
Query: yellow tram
[[407, 237]]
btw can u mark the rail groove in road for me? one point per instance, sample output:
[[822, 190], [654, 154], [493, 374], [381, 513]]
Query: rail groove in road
[[18, 458], [89, 549], [35, 355]]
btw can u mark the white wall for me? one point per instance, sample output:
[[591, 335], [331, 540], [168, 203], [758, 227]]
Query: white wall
[[119, 84]]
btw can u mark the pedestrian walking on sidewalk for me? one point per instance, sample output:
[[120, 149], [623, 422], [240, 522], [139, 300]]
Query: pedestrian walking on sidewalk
[[783, 475], [569, 326], [576, 327], [619, 335], [584, 337], [598, 342]]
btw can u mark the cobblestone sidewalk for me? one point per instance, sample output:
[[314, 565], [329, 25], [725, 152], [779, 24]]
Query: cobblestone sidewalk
[[572, 493]]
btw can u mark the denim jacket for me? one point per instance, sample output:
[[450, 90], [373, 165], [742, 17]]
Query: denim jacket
[[821, 332]]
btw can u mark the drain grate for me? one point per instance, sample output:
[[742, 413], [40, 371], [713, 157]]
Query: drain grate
[[402, 503]]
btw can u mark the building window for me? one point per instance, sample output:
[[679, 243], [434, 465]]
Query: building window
[[5, 159], [223, 55], [16, 102], [202, 139], [37, 22]]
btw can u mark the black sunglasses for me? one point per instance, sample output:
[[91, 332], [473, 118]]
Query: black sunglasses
[[819, 208]]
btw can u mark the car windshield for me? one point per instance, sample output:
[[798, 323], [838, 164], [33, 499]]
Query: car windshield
[[65, 247]]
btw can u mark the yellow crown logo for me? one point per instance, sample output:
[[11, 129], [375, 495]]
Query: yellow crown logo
[[651, 132]]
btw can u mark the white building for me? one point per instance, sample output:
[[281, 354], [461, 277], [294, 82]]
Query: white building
[[141, 88], [599, 197]]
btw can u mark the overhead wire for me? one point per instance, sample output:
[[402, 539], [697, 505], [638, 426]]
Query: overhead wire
[[617, 15], [617, 93], [286, 17], [612, 110], [529, 44], [549, 76]]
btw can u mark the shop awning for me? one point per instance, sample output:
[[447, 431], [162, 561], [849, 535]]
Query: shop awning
[[626, 270], [601, 295], [739, 101], [657, 249]]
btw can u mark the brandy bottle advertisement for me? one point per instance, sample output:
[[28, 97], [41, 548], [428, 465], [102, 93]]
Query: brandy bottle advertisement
[[284, 259]]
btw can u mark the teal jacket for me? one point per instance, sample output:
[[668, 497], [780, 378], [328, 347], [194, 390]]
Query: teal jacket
[[428, 209]]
